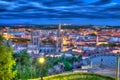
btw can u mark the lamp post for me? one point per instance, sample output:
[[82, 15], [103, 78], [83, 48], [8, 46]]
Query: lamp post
[[117, 66], [41, 61]]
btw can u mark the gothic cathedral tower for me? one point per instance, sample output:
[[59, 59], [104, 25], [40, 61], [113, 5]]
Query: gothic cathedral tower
[[35, 41], [59, 40]]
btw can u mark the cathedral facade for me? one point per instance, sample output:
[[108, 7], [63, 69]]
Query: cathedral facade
[[36, 46]]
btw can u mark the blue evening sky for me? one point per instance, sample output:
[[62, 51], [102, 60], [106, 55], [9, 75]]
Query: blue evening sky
[[98, 12]]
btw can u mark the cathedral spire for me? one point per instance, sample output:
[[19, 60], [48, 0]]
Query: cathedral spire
[[59, 40]]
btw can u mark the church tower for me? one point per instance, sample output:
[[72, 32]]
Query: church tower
[[59, 40], [97, 39], [35, 41]]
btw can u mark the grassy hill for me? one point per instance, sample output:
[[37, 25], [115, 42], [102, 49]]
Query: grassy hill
[[77, 76]]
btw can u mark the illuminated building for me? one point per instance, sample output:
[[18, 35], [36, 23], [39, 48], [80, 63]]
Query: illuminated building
[[37, 47], [7, 36], [59, 40], [97, 38]]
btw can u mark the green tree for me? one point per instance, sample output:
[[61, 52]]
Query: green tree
[[6, 62], [23, 65], [68, 65], [109, 45], [22, 58], [1, 41], [93, 34]]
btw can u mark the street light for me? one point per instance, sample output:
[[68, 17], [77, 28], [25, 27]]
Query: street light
[[117, 66], [41, 61]]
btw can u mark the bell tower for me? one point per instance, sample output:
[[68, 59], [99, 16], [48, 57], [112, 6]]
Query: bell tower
[[59, 40], [35, 41]]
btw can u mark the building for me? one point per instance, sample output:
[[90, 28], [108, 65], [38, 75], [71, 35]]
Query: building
[[59, 40], [36, 46]]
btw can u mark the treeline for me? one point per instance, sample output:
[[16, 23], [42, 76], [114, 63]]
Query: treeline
[[51, 26], [47, 27]]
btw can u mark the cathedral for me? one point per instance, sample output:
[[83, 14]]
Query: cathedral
[[36, 46]]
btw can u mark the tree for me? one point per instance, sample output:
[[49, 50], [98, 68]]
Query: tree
[[6, 62], [1, 41], [68, 65], [20, 40], [22, 58], [109, 45], [23, 66], [93, 34]]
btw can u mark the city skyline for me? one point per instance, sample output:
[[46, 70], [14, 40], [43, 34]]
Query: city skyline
[[96, 12], [49, 52]]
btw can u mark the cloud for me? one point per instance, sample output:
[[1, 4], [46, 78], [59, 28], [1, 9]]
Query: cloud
[[28, 9], [101, 2]]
